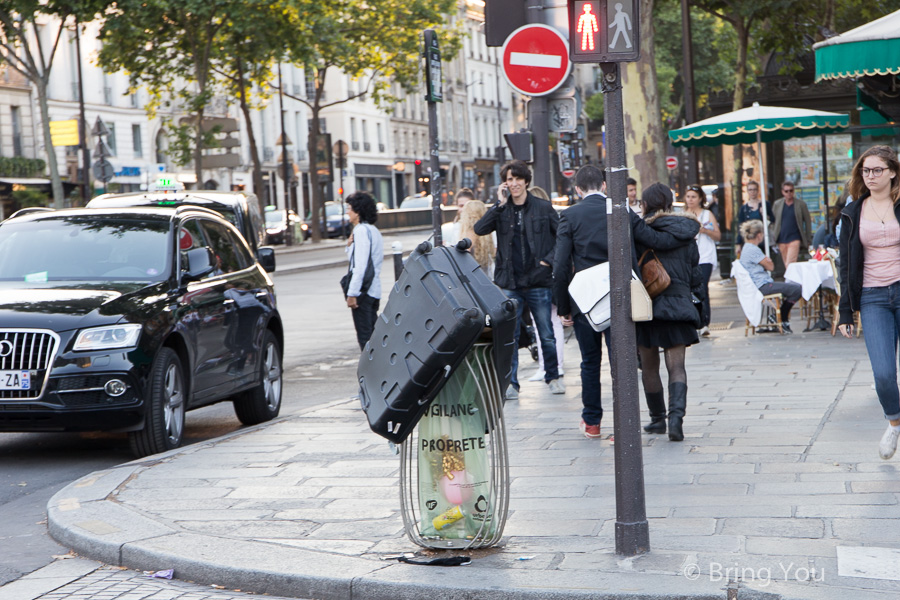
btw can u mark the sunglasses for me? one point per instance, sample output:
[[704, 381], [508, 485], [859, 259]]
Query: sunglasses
[[695, 188]]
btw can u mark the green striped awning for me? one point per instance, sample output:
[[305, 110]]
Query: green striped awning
[[871, 49], [771, 122]]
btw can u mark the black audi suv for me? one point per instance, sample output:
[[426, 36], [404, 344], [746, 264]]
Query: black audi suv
[[123, 319]]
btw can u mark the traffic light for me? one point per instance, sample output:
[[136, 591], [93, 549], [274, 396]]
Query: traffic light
[[603, 31], [422, 178]]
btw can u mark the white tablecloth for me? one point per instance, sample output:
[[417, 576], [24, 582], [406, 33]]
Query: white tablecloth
[[810, 275]]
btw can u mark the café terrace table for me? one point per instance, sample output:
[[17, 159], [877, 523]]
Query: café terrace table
[[813, 275]]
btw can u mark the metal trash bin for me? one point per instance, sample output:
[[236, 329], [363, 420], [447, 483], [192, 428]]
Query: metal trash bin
[[454, 468]]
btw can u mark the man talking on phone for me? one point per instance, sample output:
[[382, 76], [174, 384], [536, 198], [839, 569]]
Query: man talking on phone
[[526, 241]]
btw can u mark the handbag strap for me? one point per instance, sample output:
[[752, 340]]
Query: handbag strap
[[353, 254], [641, 259]]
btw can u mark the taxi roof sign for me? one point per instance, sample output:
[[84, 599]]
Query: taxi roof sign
[[166, 184]]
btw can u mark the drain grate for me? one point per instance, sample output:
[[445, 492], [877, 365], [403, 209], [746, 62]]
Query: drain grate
[[720, 326]]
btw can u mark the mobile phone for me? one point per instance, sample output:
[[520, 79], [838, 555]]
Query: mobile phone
[[505, 192]]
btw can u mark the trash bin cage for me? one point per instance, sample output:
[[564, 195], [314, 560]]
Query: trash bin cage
[[454, 472]]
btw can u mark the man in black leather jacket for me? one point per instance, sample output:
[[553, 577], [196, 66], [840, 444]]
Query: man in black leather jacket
[[526, 238]]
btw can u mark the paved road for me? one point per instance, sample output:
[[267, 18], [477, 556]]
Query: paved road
[[320, 359]]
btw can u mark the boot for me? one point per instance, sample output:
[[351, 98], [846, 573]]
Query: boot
[[656, 404], [677, 403]]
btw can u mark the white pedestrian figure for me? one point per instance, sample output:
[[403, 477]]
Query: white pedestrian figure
[[622, 23]]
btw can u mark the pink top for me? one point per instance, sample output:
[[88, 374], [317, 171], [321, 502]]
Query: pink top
[[881, 246]]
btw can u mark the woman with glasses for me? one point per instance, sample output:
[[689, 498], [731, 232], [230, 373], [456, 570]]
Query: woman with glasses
[[695, 204], [870, 275]]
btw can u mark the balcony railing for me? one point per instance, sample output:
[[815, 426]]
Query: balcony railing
[[381, 147], [367, 146], [268, 154], [354, 145]]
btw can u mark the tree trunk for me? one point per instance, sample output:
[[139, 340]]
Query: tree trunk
[[251, 137], [55, 181], [644, 137], [742, 30], [317, 219]]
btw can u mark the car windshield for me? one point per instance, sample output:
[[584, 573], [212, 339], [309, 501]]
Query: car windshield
[[84, 249], [333, 210], [275, 217]]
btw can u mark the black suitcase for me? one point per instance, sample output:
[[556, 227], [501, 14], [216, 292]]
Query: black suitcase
[[437, 309]]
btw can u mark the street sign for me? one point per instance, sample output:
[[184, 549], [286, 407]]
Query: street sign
[[536, 60], [103, 170], [604, 31], [99, 128], [64, 133], [434, 90], [672, 162], [562, 114]]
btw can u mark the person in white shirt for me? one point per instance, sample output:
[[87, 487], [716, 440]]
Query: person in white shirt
[[364, 247], [695, 203]]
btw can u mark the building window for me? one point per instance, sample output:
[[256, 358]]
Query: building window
[[111, 138], [16, 116], [136, 141], [354, 141]]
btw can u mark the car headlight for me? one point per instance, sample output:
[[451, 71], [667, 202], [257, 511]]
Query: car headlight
[[107, 338]]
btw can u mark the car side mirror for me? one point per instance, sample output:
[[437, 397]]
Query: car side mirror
[[266, 256], [199, 262]]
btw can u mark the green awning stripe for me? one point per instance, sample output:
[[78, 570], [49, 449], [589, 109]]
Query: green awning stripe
[[858, 59], [748, 130]]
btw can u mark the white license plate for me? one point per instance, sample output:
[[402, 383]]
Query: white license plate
[[15, 380]]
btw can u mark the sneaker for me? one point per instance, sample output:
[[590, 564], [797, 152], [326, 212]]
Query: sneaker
[[512, 393], [704, 332], [786, 327], [772, 319], [538, 376], [589, 431], [888, 444], [557, 387]]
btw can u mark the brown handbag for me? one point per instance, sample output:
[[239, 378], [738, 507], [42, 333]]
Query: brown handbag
[[653, 274]]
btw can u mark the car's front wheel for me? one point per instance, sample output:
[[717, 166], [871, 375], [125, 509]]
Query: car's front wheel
[[164, 423], [263, 402]]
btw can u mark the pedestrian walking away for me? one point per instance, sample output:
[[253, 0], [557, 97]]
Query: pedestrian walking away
[[675, 319], [870, 275], [526, 238], [758, 266], [582, 243], [365, 251], [695, 204], [483, 246], [792, 225]]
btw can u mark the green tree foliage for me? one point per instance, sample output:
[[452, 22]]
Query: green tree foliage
[[169, 47], [32, 55], [378, 42], [714, 54]]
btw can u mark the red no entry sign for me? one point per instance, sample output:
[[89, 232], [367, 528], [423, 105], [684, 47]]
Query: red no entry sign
[[536, 59], [672, 162]]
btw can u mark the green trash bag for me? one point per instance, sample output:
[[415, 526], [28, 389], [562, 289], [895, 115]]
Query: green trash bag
[[456, 500]]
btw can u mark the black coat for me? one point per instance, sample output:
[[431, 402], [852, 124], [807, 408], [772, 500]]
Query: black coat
[[581, 243], [540, 222], [682, 265], [852, 259]]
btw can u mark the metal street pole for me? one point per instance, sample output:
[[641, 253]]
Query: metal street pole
[[537, 112], [632, 529], [82, 125], [289, 238], [433, 95]]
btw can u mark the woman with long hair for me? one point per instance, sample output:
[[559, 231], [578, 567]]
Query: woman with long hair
[[364, 247], [695, 204], [675, 320], [483, 247], [870, 275]]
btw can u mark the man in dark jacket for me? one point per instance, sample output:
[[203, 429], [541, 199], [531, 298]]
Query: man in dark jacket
[[582, 244], [526, 238]]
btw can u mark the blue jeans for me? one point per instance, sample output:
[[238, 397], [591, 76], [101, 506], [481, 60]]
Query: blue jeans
[[591, 355], [879, 310], [539, 301]]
